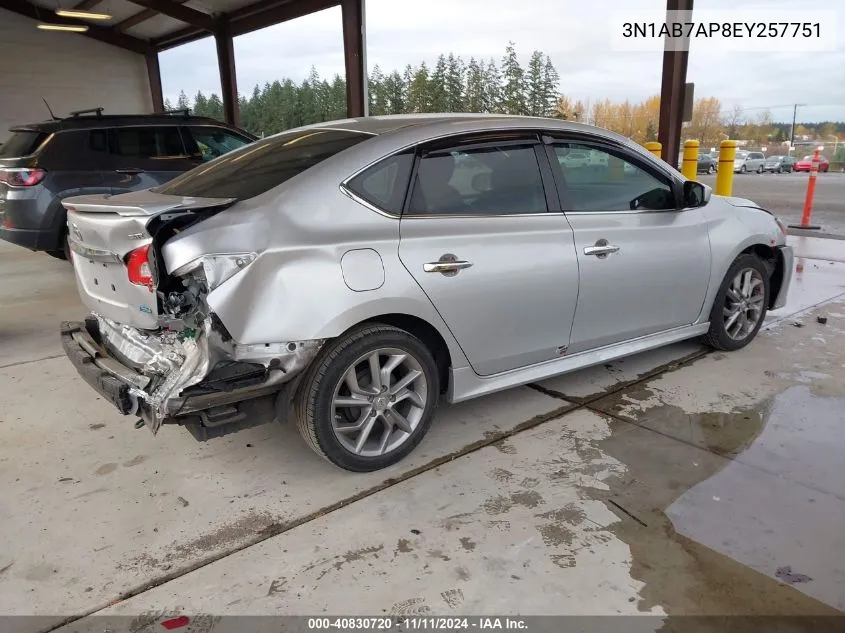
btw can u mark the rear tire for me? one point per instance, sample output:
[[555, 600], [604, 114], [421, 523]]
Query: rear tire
[[739, 308], [710, 169], [368, 399]]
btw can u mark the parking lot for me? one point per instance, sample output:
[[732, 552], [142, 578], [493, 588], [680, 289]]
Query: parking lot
[[784, 194], [674, 482]]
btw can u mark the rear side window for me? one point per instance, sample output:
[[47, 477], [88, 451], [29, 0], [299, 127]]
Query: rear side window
[[213, 142], [21, 144], [384, 184], [260, 166], [147, 142]]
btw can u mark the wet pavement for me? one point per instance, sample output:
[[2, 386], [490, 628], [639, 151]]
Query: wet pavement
[[676, 482]]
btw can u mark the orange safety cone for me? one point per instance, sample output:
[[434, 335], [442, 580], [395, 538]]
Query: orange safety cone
[[808, 199]]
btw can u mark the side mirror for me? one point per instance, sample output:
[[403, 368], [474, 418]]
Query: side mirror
[[696, 194]]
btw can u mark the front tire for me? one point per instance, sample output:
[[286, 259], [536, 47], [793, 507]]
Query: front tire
[[710, 169], [369, 398], [743, 169], [740, 305]]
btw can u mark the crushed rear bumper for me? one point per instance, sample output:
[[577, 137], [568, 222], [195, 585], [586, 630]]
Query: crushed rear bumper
[[163, 378], [111, 379]]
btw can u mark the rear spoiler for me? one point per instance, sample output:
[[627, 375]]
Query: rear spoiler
[[141, 205]]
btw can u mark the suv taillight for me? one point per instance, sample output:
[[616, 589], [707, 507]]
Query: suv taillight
[[138, 267], [21, 177]]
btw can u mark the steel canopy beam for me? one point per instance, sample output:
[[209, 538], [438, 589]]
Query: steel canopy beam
[[179, 12], [154, 74], [672, 90], [138, 18], [251, 18], [228, 79], [353, 54], [96, 32]]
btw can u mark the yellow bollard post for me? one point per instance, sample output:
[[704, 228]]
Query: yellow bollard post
[[689, 167], [655, 148], [725, 175]]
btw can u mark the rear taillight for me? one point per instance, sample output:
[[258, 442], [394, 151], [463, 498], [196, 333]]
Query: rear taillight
[[20, 177], [138, 267]]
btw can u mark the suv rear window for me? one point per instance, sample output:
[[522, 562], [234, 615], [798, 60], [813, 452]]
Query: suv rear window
[[21, 144], [260, 166]]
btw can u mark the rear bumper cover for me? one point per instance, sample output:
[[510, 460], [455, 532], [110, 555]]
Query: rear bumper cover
[[160, 380], [107, 376]]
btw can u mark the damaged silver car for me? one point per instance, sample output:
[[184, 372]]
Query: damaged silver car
[[354, 271]]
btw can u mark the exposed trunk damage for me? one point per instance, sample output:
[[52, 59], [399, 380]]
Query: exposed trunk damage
[[181, 362]]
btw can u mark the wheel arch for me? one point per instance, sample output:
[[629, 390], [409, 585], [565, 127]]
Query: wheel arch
[[427, 333], [773, 259]]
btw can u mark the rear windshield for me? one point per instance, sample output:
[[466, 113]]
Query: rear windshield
[[256, 168], [21, 144]]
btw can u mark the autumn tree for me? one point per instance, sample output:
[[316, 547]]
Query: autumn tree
[[706, 124]]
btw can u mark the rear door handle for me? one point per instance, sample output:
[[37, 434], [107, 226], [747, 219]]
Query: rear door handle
[[445, 267], [130, 171], [600, 250], [448, 265]]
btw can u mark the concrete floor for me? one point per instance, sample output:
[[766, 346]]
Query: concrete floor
[[676, 482]]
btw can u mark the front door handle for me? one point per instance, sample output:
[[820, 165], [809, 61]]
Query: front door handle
[[601, 249], [447, 265], [131, 171]]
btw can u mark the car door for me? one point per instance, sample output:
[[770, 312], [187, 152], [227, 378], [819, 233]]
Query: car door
[[144, 156], [482, 237], [644, 264]]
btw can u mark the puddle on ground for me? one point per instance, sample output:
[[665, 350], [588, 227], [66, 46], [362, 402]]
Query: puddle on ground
[[713, 521]]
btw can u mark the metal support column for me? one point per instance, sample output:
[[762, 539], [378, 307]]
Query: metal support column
[[672, 90], [154, 75], [354, 54], [228, 79]]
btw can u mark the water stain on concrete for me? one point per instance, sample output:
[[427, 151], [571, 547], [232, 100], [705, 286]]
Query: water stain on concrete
[[411, 606], [497, 505], [555, 534], [680, 575], [501, 475], [105, 469], [462, 573], [571, 513], [527, 498], [138, 459], [224, 537], [467, 543], [98, 425], [403, 546]]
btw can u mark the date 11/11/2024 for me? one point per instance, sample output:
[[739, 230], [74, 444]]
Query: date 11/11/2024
[[418, 623]]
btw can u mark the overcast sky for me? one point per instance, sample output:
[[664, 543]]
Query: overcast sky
[[574, 33]]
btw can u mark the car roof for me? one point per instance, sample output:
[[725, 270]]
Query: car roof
[[86, 122]]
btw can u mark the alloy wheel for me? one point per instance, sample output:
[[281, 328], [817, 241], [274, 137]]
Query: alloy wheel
[[379, 402], [744, 304]]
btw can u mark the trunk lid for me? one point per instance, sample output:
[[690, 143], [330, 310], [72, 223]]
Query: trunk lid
[[104, 230]]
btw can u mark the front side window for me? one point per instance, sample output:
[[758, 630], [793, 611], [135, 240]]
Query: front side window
[[384, 184], [213, 142], [147, 142], [610, 184], [490, 179], [262, 165]]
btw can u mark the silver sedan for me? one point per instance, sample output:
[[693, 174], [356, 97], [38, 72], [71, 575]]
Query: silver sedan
[[354, 271]]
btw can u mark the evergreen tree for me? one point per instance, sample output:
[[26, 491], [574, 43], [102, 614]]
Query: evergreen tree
[[200, 105], [492, 88], [535, 86], [551, 87], [394, 93], [513, 88], [419, 97], [182, 101], [377, 94], [474, 91], [167, 105], [438, 99], [454, 84]]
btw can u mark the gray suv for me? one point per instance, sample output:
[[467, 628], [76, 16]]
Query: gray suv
[[92, 153]]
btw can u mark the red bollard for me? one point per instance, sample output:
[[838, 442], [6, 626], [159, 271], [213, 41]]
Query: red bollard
[[808, 200]]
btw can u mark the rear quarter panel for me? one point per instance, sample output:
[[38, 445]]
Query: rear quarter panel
[[295, 289]]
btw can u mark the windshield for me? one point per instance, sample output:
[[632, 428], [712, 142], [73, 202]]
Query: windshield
[[21, 144], [774, 159], [807, 158], [741, 155], [260, 166]]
